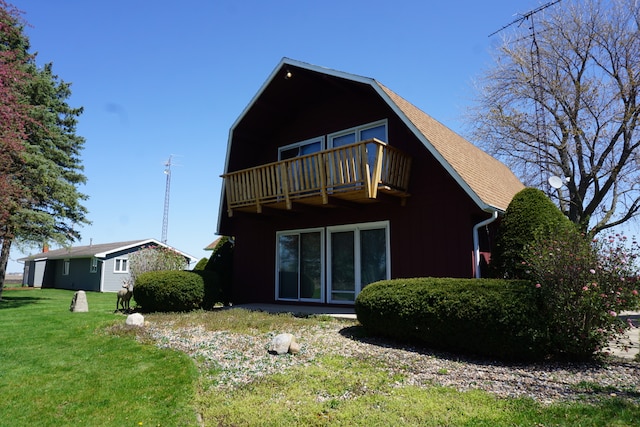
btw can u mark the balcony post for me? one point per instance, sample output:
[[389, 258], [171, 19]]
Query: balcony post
[[285, 184], [376, 174], [322, 169]]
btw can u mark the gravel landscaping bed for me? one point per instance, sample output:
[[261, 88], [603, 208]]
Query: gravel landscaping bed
[[232, 359]]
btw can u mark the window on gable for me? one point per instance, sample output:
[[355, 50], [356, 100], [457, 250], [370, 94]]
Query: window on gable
[[376, 130], [121, 265], [302, 148]]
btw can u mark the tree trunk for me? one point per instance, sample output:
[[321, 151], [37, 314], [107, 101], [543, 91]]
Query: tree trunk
[[4, 260]]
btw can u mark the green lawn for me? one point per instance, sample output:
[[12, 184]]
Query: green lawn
[[59, 368]]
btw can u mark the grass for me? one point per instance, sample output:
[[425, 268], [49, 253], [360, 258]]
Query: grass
[[59, 368]]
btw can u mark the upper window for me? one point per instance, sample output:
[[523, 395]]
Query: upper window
[[376, 130], [121, 265], [301, 148]]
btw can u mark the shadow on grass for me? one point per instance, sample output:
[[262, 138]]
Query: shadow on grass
[[543, 370], [11, 301]]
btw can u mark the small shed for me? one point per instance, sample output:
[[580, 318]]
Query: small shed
[[96, 267]]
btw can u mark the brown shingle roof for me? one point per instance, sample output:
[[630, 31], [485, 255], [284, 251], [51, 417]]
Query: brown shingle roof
[[211, 246], [491, 180]]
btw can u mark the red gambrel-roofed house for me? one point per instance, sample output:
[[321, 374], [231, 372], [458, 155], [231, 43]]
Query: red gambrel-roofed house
[[332, 181]]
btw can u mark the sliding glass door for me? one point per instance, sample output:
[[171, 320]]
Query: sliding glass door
[[300, 266], [358, 255]]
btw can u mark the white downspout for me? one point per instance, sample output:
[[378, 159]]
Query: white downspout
[[476, 241]]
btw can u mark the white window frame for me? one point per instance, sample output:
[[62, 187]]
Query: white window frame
[[325, 259], [356, 228], [322, 263], [358, 130], [66, 267], [117, 266], [309, 141], [94, 265]]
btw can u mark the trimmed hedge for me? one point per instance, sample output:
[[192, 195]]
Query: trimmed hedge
[[485, 317], [170, 290], [530, 213]]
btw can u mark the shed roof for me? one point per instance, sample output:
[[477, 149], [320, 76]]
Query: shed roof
[[101, 250]]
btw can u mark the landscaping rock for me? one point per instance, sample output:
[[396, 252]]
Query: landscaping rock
[[280, 344], [294, 347], [135, 319], [79, 303]]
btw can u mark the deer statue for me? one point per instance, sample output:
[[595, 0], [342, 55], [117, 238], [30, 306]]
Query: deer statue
[[124, 296]]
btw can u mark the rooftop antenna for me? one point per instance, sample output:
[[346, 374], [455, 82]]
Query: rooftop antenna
[[538, 90], [167, 191]]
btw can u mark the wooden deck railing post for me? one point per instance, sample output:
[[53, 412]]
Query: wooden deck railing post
[[376, 175], [365, 172], [322, 165]]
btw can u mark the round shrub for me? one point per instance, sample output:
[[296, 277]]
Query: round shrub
[[169, 290], [486, 317], [529, 214]]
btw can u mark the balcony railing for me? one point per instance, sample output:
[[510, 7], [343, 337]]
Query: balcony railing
[[356, 172]]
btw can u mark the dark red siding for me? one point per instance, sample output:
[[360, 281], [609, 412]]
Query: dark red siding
[[430, 236]]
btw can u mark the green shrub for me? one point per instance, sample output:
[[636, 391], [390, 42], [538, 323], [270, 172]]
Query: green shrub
[[529, 214], [213, 293], [169, 290], [201, 264], [221, 262], [487, 317]]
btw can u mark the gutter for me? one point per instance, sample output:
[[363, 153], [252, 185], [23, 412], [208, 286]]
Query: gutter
[[476, 241]]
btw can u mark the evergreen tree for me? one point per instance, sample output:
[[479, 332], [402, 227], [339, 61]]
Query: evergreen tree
[[45, 203]]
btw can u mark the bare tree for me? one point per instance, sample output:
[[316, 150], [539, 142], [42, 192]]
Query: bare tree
[[562, 99]]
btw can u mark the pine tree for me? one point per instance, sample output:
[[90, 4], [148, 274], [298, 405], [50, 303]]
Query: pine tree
[[42, 169]]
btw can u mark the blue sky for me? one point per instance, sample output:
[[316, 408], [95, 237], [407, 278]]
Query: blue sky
[[169, 78]]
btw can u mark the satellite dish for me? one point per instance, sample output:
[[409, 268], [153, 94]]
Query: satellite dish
[[555, 181]]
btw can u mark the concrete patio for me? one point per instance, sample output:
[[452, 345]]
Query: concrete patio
[[338, 312]]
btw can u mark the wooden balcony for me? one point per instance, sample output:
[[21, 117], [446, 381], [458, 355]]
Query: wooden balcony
[[356, 173]]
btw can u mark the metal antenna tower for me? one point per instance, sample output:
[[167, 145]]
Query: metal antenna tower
[[538, 89], [167, 191]]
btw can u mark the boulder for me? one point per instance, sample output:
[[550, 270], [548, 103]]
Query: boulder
[[280, 344], [135, 319], [283, 343], [294, 347], [79, 303]]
